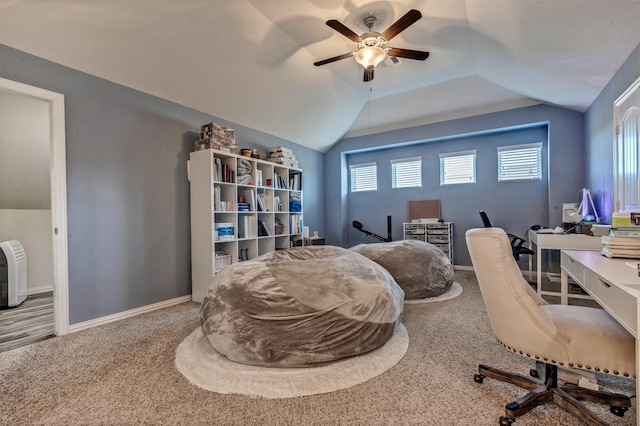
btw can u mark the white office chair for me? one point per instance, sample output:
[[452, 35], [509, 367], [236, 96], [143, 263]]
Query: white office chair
[[552, 335]]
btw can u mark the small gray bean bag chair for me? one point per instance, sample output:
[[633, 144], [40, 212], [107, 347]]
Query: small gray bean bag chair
[[421, 269], [301, 307]]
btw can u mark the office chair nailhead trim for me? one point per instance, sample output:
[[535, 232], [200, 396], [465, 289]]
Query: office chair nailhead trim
[[570, 364]]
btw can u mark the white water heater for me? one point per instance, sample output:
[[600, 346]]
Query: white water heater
[[13, 274]]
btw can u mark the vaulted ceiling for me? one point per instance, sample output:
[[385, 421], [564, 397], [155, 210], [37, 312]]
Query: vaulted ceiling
[[251, 61]]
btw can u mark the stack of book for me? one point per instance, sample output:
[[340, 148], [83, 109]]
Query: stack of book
[[622, 241], [217, 136], [282, 155]]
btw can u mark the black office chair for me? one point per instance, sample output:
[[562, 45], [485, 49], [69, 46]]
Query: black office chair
[[518, 245]]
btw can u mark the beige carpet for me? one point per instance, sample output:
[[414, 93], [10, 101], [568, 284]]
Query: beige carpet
[[123, 374], [205, 368]]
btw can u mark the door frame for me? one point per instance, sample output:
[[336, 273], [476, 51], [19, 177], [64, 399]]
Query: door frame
[[58, 199]]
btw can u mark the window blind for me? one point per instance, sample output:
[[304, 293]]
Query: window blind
[[363, 177], [520, 162], [458, 167], [406, 173]]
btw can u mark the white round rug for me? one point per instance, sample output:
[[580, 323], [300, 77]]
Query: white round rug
[[454, 291], [205, 368]]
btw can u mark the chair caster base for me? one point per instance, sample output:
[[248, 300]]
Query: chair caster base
[[618, 411], [506, 421], [479, 378]]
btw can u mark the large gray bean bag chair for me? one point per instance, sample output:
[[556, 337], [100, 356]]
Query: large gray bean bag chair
[[301, 307], [421, 269]]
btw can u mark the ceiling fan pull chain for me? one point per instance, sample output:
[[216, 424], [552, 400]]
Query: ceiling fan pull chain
[[370, 90]]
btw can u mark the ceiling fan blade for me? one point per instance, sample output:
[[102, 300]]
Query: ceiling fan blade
[[409, 54], [368, 75], [342, 29], [335, 58], [401, 24]]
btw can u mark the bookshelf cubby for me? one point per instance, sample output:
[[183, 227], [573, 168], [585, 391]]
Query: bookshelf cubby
[[218, 182]]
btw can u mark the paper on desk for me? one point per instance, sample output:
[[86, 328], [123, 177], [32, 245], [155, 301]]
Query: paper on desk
[[556, 230]]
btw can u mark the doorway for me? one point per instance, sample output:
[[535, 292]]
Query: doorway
[[627, 150], [58, 197]]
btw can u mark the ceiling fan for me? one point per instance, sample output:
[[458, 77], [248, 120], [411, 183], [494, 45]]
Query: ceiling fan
[[370, 45]]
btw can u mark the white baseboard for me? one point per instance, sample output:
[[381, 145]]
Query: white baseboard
[[38, 290], [462, 268], [127, 314]]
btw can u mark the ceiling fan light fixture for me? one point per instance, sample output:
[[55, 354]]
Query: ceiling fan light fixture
[[370, 56]]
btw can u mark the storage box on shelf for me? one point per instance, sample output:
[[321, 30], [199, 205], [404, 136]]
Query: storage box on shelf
[[439, 234], [240, 209]]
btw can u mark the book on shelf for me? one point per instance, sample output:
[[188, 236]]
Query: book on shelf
[[217, 204], [294, 181], [261, 205], [246, 227], [265, 202], [263, 229], [218, 174], [249, 197], [295, 224]]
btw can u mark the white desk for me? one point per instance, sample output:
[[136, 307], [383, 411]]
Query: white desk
[[614, 285], [544, 241]]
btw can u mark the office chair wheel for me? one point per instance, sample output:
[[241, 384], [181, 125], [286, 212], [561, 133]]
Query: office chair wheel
[[534, 373], [478, 378], [618, 411], [506, 421]]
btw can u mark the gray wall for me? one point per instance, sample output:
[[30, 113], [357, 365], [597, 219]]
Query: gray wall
[[127, 188], [600, 137], [514, 206], [518, 204]]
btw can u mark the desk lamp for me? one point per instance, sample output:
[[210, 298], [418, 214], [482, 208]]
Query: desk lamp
[[582, 214]]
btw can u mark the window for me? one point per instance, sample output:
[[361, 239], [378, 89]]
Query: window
[[363, 177], [406, 173], [458, 167], [520, 162]]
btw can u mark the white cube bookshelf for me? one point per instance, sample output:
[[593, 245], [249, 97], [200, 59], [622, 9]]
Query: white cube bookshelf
[[215, 192]]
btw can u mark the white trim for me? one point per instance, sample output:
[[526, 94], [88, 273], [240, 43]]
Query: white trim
[[617, 204], [458, 153], [127, 314], [519, 146], [58, 199], [39, 290], [406, 160], [462, 268]]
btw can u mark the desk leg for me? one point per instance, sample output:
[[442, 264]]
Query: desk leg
[[539, 269], [564, 287], [530, 262]]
